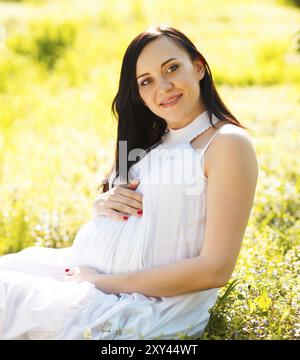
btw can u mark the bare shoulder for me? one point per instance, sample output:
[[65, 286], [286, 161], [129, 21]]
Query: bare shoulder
[[228, 128], [230, 144], [230, 135]]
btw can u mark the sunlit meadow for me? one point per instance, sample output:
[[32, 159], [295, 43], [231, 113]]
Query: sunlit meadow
[[59, 70]]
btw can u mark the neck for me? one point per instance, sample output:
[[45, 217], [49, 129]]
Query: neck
[[194, 128], [174, 127]]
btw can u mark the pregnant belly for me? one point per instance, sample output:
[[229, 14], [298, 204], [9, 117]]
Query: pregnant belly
[[110, 246]]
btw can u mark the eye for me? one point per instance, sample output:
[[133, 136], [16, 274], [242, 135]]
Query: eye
[[172, 66], [143, 82]]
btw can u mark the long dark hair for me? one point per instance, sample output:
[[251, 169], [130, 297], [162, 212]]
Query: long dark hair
[[139, 126]]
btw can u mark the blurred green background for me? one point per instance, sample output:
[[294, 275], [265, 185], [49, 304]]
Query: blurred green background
[[60, 62]]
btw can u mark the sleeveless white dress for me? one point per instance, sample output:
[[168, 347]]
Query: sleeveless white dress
[[36, 302]]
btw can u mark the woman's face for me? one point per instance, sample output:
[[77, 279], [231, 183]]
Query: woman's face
[[164, 71]]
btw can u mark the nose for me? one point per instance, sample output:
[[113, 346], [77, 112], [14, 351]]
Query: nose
[[164, 85]]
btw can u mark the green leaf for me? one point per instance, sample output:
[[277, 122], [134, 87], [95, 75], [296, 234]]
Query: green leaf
[[252, 307], [264, 301]]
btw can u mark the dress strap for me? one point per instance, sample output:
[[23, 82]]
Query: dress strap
[[205, 126], [211, 139]]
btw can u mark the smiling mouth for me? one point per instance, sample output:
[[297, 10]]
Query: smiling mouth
[[172, 102]]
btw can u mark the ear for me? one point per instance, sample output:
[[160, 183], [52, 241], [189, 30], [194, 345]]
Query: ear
[[199, 68]]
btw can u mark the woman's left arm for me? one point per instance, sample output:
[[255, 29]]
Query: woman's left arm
[[230, 194]]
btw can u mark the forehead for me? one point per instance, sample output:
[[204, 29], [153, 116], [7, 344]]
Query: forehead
[[158, 51]]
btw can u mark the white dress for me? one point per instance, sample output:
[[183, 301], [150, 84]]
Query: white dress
[[35, 301]]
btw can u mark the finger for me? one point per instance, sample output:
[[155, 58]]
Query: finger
[[132, 184], [72, 270], [130, 193], [69, 274], [127, 201], [123, 208], [116, 215]]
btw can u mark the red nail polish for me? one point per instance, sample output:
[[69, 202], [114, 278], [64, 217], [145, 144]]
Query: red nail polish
[[140, 212], [125, 217], [67, 270]]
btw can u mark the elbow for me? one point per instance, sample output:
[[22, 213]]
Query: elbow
[[220, 282], [222, 276], [217, 272]]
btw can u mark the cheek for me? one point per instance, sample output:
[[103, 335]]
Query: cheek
[[191, 85], [146, 95], [187, 81]]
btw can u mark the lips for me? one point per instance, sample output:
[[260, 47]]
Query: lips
[[171, 100]]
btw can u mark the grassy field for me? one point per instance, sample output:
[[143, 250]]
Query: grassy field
[[59, 70]]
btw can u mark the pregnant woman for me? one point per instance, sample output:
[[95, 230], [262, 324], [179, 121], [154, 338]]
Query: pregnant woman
[[151, 261]]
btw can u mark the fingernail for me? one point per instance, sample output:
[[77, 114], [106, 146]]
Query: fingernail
[[67, 270], [140, 212], [125, 217]]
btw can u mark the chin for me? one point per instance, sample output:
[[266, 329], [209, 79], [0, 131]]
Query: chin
[[174, 122]]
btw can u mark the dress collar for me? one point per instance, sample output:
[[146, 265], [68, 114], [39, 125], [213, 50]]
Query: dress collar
[[190, 131]]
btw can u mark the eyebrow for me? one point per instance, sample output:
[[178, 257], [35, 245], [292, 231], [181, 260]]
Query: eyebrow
[[162, 65]]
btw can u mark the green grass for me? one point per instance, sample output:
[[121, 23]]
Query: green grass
[[59, 72]]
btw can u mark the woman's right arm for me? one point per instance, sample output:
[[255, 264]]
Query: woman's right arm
[[120, 201]]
